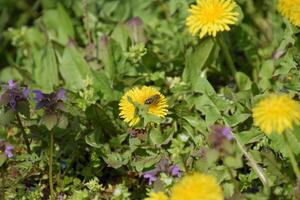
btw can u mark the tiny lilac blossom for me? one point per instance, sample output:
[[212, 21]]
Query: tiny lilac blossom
[[151, 178], [8, 150], [227, 133], [175, 171]]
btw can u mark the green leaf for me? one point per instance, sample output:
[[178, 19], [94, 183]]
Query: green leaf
[[46, 68], [94, 139], [233, 162], [62, 122], [279, 145], [74, 69], [49, 120], [267, 69], [203, 86], [237, 118], [145, 162], [121, 35], [252, 136], [3, 158], [104, 85], [62, 31], [6, 117], [159, 138], [196, 61], [243, 81], [23, 108]]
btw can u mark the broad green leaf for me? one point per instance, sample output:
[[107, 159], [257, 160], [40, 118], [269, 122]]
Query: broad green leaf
[[121, 35], [74, 69], [59, 25], [6, 117], [46, 68], [196, 61], [243, 81], [252, 136], [49, 120]]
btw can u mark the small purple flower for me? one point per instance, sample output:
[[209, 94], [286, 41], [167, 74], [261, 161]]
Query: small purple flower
[[26, 92], [50, 102], [8, 150], [163, 166], [60, 197], [38, 95], [220, 135], [12, 94], [11, 84], [61, 94], [151, 178], [227, 133], [175, 171]]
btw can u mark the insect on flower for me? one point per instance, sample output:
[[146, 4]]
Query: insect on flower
[[152, 100]]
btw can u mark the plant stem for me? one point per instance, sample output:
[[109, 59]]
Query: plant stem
[[292, 157], [23, 133], [227, 54], [50, 166], [262, 177], [252, 162]]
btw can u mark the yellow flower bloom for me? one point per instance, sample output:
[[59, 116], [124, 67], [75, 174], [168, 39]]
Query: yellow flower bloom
[[155, 100], [157, 196], [276, 113], [197, 187], [291, 10], [211, 16]]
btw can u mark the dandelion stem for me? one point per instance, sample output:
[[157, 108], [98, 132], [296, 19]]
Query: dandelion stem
[[252, 162], [292, 156], [23, 133], [262, 177], [50, 166], [227, 54]]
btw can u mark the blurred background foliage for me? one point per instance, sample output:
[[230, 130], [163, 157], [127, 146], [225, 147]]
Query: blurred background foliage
[[97, 49]]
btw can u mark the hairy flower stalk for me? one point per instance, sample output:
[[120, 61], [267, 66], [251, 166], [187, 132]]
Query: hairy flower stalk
[[50, 165], [52, 104]]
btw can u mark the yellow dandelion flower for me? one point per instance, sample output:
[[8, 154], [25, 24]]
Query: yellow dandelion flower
[[276, 113], [156, 102], [195, 187], [211, 16], [157, 196], [291, 10]]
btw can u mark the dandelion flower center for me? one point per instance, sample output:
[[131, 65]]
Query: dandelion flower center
[[276, 113], [197, 186], [156, 102], [291, 10], [211, 16]]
